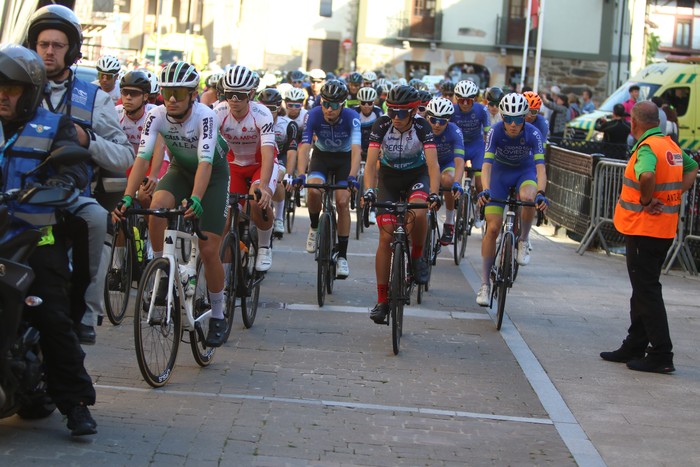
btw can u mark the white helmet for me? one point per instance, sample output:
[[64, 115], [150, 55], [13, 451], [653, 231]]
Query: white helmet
[[369, 76], [466, 89], [179, 74], [153, 78], [317, 73], [269, 80], [514, 105], [108, 64], [440, 107], [295, 94], [240, 78], [384, 83], [283, 88], [366, 94]]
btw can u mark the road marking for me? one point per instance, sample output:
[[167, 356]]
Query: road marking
[[340, 404], [409, 311]]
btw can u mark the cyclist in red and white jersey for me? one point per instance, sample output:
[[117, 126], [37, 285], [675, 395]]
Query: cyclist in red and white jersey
[[294, 103], [248, 129]]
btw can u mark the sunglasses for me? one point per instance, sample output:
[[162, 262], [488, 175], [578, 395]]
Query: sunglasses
[[11, 90], [512, 119], [493, 104], [465, 100], [366, 103], [398, 113], [438, 121], [534, 111], [294, 105], [105, 75], [180, 94], [296, 82], [273, 108], [317, 81], [131, 92], [331, 105], [236, 95]]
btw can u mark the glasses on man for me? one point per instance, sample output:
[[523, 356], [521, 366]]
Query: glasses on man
[[317, 81], [294, 105], [397, 113], [331, 105], [44, 45], [534, 111], [465, 100], [101, 75], [236, 95], [273, 108], [438, 121], [131, 92], [366, 103], [11, 90], [180, 94], [297, 82], [509, 119]]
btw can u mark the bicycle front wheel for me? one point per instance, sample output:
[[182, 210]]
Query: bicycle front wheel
[[118, 280], [323, 258], [250, 281], [397, 281], [505, 269], [359, 211], [461, 228], [290, 210], [230, 257], [202, 354], [157, 333]]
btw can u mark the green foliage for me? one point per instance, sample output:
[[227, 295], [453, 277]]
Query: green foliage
[[653, 42]]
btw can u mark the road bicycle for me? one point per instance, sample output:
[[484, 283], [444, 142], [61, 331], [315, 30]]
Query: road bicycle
[[327, 238], [239, 252], [505, 267], [466, 213], [292, 200], [431, 250], [401, 277], [359, 217], [161, 304]]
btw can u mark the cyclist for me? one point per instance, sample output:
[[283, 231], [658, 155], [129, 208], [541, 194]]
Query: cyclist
[[248, 129], [418, 85], [424, 97], [493, 98], [210, 96], [154, 97], [286, 138], [514, 157], [450, 150], [354, 84], [318, 78], [368, 79], [296, 78], [533, 116], [294, 103], [473, 119], [337, 151], [408, 164], [369, 113], [197, 178], [108, 67], [447, 90]]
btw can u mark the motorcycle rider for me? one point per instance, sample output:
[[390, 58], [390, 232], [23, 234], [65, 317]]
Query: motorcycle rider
[[31, 134]]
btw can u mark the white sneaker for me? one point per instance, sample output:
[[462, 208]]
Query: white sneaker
[[484, 296], [311, 241], [341, 268], [278, 226], [372, 217], [523, 257], [478, 222], [264, 261]]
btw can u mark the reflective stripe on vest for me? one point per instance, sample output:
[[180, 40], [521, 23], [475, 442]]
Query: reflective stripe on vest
[[82, 102]]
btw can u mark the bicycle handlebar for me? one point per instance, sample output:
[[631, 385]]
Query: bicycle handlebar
[[258, 195], [168, 214], [517, 202]]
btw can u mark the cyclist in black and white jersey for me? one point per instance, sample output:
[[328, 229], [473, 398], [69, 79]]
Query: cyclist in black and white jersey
[[369, 113], [294, 104]]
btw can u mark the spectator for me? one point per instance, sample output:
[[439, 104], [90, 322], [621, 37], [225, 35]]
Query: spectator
[[629, 103], [574, 106], [671, 122], [587, 105], [615, 130], [662, 115], [560, 113]]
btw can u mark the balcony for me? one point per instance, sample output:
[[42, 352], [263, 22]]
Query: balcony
[[406, 27], [510, 33]]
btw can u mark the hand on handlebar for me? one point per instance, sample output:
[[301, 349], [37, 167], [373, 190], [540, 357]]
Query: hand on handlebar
[[123, 205], [541, 201], [457, 188], [434, 201], [370, 197], [194, 207], [265, 198], [299, 180], [353, 184], [483, 197]]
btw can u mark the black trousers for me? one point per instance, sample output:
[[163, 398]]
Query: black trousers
[[68, 381], [649, 323]]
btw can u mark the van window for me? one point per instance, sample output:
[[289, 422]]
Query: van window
[[646, 91], [678, 98]]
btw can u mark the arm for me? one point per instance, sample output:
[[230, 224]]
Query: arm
[[109, 146], [268, 163], [303, 158], [433, 168], [66, 135]]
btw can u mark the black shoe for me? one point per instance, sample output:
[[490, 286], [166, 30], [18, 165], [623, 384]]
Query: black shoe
[[421, 273], [379, 313], [621, 355], [114, 280], [448, 234], [86, 334], [80, 422], [162, 292], [652, 364], [216, 333]]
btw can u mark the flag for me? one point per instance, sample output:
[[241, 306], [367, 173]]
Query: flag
[[535, 14]]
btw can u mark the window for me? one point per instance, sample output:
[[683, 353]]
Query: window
[[683, 34], [678, 98], [326, 8]]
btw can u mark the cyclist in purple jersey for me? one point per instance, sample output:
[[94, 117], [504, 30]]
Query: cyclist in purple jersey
[[533, 117], [514, 157]]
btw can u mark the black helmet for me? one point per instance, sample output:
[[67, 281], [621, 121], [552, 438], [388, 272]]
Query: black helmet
[[424, 97], [355, 78], [136, 79], [270, 96], [494, 95], [418, 84], [23, 66], [334, 91], [403, 96], [297, 75], [61, 18], [447, 86]]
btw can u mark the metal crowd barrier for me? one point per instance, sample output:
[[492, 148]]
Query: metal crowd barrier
[[688, 233]]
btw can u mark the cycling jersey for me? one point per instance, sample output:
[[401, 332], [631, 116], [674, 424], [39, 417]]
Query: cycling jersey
[[338, 137], [133, 128], [542, 125], [474, 124], [300, 120], [524, 149], [449, 144], [402, 151], [246, 137], [286, 135], [366, 122]]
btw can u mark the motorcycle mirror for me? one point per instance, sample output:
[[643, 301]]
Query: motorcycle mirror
[[65, 155]]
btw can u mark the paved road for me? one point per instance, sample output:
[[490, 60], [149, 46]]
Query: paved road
[[310, 386]]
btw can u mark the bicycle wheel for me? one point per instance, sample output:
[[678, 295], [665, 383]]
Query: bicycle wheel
[[203, 355], [505, 266], [156, 339], [290, 210], [359, 211], [332, 255], [251, 281], [462, 228], [431, 246], [397, 281], [323, 258], [118, 278], [230, 256]]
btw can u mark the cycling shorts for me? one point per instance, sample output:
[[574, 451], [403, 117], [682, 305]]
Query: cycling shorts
[[244, 176], [326, 164], [474, 151], [179, 182], [414, 183], [503, 177]]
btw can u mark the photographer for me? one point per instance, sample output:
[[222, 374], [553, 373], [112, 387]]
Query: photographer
[[615, 128]]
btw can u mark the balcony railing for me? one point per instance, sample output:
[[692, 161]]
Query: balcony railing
[[422, 29]]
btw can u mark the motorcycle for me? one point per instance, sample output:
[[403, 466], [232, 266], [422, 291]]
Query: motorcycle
[[22, 376]]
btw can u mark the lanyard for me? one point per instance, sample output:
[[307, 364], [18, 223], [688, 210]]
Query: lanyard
[[5, 146]]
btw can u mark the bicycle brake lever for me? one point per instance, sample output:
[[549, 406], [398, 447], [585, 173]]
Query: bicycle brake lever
[[258, 195]]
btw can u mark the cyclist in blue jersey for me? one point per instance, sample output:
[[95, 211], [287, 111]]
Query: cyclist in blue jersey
[[408, 164], [514, 157], [473, 119], [533, 117], [336, 152], [450, 151], [368, 113], [424, 97]]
